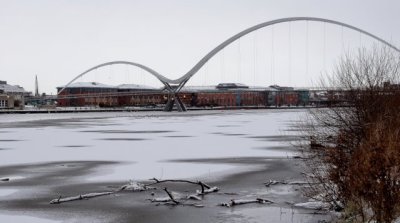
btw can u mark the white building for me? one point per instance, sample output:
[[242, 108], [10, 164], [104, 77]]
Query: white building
[[11, 96]]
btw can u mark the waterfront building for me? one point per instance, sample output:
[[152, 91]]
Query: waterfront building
[[88, 94], [228, 95], [11, 96]]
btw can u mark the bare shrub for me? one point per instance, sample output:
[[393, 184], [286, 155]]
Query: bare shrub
[[353, 150]]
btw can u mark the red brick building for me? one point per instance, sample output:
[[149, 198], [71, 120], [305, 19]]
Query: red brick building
[[88, 94], [222, 95]]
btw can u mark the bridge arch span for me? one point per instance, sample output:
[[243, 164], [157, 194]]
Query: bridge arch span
[[227, 42], [160, 77], [180, 82]]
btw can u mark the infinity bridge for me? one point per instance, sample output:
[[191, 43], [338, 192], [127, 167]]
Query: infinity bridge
[[173, 86]]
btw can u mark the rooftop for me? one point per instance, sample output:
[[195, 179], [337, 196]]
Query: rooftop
[[88, 85], [136, 86], [208, 88], [214, 88], [6, 88], [231, 85]]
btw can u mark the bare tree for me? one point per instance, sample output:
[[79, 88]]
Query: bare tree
[[353, 148]]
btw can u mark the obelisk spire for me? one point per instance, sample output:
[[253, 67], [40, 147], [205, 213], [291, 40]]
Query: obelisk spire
[[36, 87]]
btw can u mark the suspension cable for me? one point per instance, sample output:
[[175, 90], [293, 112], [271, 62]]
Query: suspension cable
[[343, 48], [324, 57], [290, 54], [254, 58], [272, 56], [222, 63], [239, 61], [307, 75]]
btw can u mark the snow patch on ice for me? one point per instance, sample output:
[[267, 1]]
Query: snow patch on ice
[[19, 218], [6, 192]]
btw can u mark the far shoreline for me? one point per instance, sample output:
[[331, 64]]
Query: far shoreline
[[91, 109]]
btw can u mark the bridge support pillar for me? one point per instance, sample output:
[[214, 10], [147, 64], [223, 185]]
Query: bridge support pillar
[[173, 99]]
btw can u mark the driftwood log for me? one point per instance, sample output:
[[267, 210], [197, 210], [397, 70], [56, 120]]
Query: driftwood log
[[135, 186], [234, 202], [171, 200], [131, 186], [274, 182], [207, 191], [79, 197], [203, 186], [170, 196]]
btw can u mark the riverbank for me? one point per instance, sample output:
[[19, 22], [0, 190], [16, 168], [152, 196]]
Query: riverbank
[[139, 109]]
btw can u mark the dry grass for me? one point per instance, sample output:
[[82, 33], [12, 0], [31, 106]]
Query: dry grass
[[353, 152]]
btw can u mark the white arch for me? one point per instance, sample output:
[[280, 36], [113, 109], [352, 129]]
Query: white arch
[[212, 53], [182, 80], [160, 77]]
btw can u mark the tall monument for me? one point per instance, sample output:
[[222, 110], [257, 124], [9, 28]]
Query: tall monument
[[36, 87]]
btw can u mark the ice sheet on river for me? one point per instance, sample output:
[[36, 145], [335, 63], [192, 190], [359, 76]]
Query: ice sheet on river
[[144, 142]]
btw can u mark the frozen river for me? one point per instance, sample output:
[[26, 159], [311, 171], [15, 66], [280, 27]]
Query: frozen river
[[145, 144], [45, 156]]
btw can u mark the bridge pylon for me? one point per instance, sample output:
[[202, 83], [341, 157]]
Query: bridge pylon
[[173, 97]]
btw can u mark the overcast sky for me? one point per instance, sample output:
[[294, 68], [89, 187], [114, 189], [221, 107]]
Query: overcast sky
[[57, 40]]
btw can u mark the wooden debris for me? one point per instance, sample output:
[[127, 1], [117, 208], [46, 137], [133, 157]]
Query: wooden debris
[[170, 196], [244, 201], [174, 200], [203, 185], [181, 204], [207, 191], [194, 197], [79, 197], [135, 186], [298, 183], [171, 200], [161, 199], [274, 182]]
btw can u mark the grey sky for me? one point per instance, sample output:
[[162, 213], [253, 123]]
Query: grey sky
[[58, 39]]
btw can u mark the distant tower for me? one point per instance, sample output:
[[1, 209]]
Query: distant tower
[[36, 87]]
